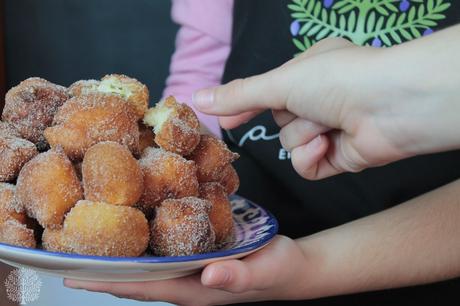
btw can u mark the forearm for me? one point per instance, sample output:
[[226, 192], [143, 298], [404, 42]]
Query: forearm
[[414, 243], [423, 81]]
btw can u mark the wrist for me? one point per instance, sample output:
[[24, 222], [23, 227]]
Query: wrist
[[292, 278], [419, 112]]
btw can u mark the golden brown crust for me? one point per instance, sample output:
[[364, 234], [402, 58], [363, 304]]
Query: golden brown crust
[[166, 175], [177, 128], [47, 187], [14, 153], [83, 87], [111, 175], [15, 226], [16, 233], [176, 137], [182, 227], [221, 211], [229, 179], [52, 240], [8, 204], [95, 228], [130, 89], [211, 156], [31, 105], [86, 120]]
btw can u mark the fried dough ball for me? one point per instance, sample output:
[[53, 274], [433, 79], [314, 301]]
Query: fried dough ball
[[15, 226], [47, 187], [182, 227], [86, 120], [130, 89], [111, 175], [8, 204], [53, 240], [31, 105], [83, 87], [229, 179], [14, 153], [166, 175], [221, 211], [146, 137], [211, 157], [96, 228], [176, 126], [16, 233]]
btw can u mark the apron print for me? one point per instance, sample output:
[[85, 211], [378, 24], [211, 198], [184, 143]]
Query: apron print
[[377, 23]]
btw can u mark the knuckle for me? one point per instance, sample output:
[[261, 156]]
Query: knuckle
[[307, 172], [236, 88], [284, 139], [351, 160]]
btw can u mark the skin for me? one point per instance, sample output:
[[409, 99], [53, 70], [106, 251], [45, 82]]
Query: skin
[[332, 125], [344, 108]]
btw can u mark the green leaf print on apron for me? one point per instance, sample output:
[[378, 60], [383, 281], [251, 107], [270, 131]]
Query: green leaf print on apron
[[378, 23]]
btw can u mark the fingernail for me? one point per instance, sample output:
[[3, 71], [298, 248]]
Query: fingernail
[[315, 143], [203, 98], [217, 278]]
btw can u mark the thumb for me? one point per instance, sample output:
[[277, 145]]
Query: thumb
[[232, 276]]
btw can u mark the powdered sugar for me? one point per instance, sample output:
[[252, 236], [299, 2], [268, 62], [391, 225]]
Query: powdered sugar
[[182, 227], [14, 153], [31, 105], [166, 175]]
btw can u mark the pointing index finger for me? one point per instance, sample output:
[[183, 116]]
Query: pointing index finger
[[265, 91]]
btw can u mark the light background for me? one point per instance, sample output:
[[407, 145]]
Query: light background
[[53, 293]]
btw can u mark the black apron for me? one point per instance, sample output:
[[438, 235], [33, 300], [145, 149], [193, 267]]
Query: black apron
[[266, 34]]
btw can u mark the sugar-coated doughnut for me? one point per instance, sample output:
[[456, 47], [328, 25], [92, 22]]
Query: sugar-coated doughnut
[[83, 87], [128, 88], [86, 120], [182, 227], [229, 179], [48, 187], [14, 153], [31, 105], [211, 157], [14, 223], [176, 126], [166, 175], [96, 228], [111, 174], [221, 211]]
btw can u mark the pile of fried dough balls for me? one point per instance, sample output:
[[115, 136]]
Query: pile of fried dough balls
[[91, 170]]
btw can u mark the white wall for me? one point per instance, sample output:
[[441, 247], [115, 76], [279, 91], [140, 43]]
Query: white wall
[[53, 293]]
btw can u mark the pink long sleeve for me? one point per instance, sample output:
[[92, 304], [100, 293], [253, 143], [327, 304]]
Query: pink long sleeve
[[202, 48]]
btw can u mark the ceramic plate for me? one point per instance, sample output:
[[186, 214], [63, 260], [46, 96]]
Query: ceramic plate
[[254, 228]]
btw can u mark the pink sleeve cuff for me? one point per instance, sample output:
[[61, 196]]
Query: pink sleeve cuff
[[202, 48]]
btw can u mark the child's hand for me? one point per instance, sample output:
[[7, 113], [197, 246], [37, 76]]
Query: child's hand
[[343, 108], [277, 271]]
